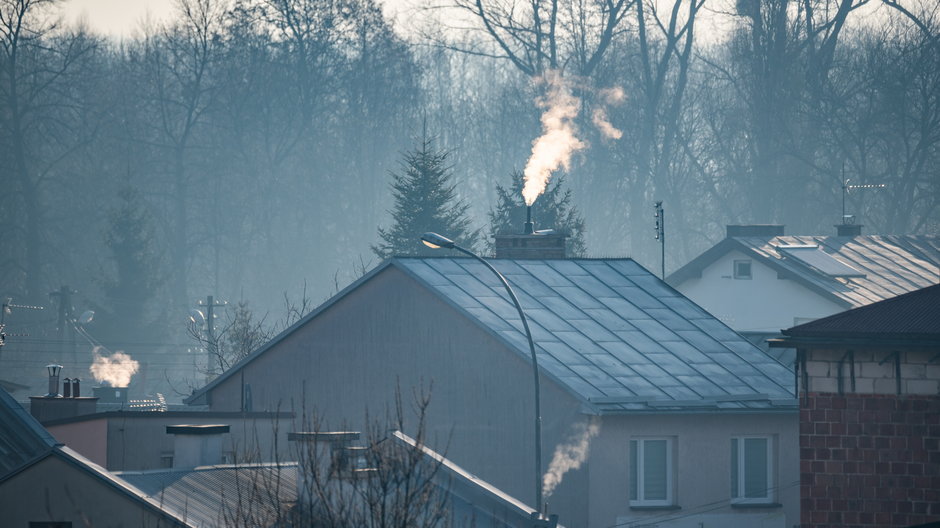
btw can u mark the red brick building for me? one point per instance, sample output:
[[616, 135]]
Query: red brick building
[[868, 381]]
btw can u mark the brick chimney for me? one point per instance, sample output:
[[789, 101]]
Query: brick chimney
[[538, 245]]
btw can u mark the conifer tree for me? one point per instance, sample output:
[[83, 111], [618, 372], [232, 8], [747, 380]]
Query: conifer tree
[[552, 210], [425, 200], [138, 276]]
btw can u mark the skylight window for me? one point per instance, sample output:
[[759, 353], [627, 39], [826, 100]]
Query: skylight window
[[814, 257]]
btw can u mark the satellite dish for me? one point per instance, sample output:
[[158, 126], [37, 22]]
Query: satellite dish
[[196, 317], [86, 317]]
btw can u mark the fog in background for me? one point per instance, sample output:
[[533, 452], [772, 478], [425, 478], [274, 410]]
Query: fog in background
[[243, 149]]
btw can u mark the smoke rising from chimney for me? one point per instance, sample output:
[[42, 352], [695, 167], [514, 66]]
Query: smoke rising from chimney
[[611, 97], [115, 370], [570, 455], [553, 149]]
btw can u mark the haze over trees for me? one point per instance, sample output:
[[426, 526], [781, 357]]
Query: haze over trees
[[259, 134]]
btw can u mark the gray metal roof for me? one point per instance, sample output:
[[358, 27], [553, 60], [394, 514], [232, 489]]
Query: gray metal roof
[[891, 265], [226, 495], [22, 438], [853, 271], [613, 334]]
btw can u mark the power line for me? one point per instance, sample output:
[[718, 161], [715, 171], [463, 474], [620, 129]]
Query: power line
[[695, 510]]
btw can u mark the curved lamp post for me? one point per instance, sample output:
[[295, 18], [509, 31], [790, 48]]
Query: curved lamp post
[[436, 241]]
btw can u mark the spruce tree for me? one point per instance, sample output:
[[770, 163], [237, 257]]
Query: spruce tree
[[425, 200], [552, 210], [135, 283]]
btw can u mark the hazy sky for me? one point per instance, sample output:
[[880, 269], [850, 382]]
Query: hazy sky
[[122, 18]]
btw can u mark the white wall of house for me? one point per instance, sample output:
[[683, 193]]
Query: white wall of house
[[701, 469], [763, 303]]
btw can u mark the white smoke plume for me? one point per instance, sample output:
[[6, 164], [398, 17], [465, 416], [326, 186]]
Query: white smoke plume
[[553, 149], [610, 97], [115, 370], [570, 455]]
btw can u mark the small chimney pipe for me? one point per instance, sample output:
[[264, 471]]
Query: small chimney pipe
[[76, 388], [67, 388], [529, 226], [53, 370]]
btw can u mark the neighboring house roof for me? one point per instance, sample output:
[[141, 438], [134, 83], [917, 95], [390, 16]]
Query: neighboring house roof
[[461, 482], [22, 438], [224, 495], [912, 318], [851, 271], [25, 443], [607, 330]]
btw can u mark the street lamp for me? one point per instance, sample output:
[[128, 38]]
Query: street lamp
[[436, 241]]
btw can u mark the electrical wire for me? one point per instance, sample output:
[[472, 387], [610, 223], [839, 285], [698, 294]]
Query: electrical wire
[[695, 510]]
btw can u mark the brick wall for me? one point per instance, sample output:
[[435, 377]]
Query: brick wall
[[869, 460]]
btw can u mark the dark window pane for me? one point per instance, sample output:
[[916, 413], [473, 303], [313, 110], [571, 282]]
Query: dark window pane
[[755, 468], [654, 470]]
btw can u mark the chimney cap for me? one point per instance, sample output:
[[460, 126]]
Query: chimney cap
[[197, 429], [848, 230]]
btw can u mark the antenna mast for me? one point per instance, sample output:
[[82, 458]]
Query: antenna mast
[[661, 235], [846, 187]]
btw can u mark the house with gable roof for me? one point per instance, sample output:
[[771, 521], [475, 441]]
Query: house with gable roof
[[758, 280], [43, 483], [685, 420]]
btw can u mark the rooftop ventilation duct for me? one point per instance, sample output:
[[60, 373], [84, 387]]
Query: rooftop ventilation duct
[[197, 445]]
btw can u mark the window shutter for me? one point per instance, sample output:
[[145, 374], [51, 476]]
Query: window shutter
[[633, 470], [734, 468]]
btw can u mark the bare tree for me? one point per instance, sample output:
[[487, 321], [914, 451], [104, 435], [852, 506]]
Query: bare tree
[[38, 120], [541, 35], [179, 67], [381, 478]]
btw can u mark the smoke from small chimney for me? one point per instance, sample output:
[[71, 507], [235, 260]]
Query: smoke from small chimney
[[115, 370], [570, 455], [553, 149]]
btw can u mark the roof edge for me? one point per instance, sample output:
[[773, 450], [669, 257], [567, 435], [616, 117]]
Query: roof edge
[[198, 397]]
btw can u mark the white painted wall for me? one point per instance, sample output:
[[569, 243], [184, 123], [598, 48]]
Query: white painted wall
[[701, 470], [762, 303]]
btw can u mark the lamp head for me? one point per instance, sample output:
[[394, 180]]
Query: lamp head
[[435, 241]]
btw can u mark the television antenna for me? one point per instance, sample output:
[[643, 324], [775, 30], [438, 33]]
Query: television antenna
[[848, 186]]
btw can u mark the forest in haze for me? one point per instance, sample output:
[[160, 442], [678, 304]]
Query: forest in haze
[[246, 149]]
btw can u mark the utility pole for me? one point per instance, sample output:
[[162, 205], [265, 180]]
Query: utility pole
[[64, 297], [212, 345], [661, 235]]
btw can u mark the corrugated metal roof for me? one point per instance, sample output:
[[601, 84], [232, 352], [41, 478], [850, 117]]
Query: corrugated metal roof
[[887, 265], [217, 496], [612, 333]]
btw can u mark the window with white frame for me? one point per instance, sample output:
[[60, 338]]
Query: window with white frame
[[751, 469], [651, 473]]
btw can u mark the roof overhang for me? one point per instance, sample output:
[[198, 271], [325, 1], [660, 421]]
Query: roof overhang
[[857, 340]]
